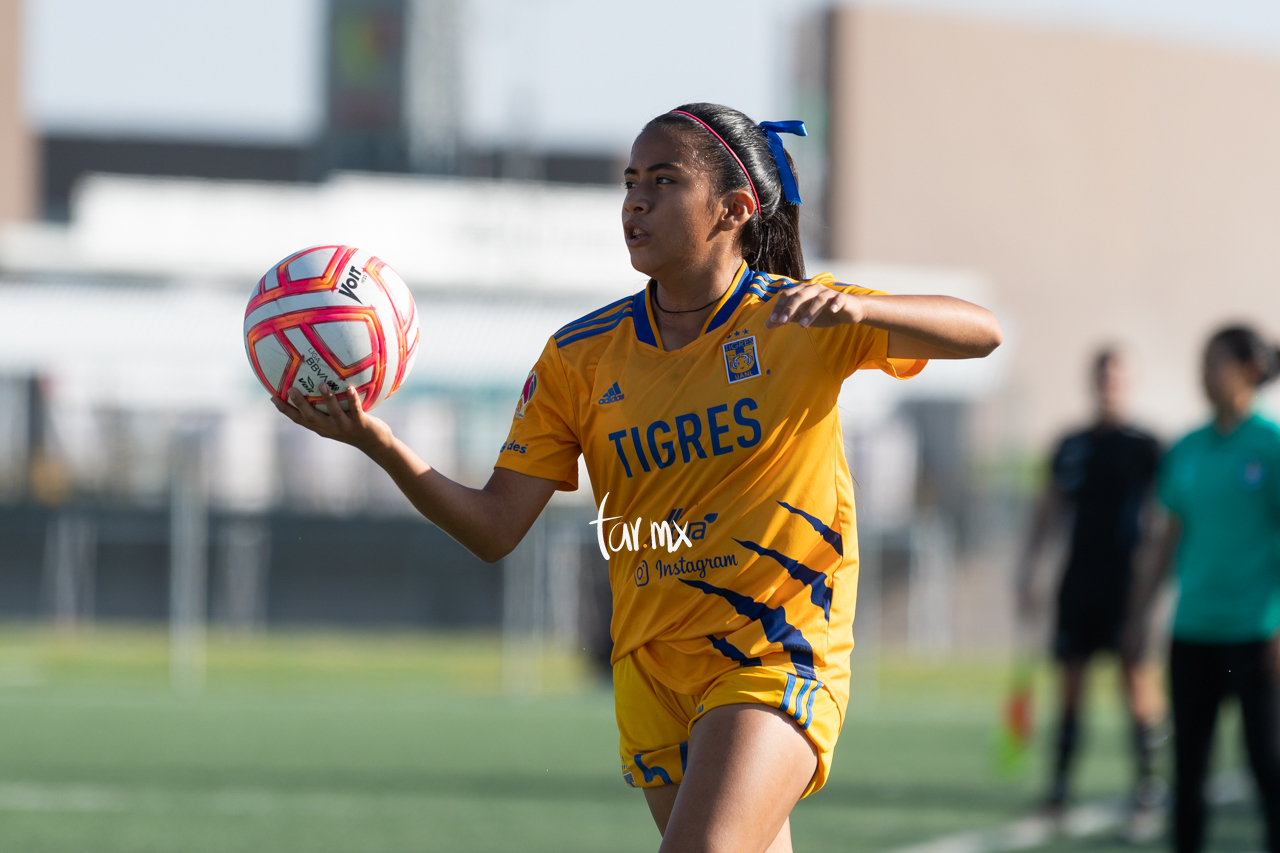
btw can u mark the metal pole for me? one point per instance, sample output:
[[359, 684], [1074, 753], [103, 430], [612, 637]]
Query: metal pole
[[188, 549], [564, 570], [69, 565], [929, 585], [245, 551], [524, 613]]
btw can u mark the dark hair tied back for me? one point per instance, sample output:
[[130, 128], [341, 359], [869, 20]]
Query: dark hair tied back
[[1246, 346], [770, 242]]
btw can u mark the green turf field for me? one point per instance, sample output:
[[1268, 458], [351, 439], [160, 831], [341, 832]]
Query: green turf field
[[362, 742]]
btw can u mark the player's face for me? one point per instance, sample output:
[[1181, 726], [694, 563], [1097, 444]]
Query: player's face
[[1227, 381], [1111, 384], [669, 216]]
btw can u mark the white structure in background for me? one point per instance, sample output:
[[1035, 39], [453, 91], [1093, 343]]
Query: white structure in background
[[450, 235]]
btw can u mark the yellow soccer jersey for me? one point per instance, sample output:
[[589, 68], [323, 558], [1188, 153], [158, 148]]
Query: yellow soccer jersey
[[734, 441]]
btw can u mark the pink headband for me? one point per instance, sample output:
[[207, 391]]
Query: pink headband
[[747, 174]]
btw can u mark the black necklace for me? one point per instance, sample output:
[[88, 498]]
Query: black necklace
[[658, 305]]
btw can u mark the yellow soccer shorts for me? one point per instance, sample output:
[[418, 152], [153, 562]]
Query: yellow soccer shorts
[[654, 721]]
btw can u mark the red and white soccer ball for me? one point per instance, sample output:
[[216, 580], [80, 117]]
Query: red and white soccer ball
[[331, 314]]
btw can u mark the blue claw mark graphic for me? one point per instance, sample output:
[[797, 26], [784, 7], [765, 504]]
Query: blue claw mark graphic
[[774, 621], [831, 537], [732, 652], [819, 592]]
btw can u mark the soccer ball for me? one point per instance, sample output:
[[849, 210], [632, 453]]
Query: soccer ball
[[335, 315]]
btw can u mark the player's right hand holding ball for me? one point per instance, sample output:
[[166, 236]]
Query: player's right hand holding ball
[[352, 426]]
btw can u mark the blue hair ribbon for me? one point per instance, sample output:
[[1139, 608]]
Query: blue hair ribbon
[[771, 129]]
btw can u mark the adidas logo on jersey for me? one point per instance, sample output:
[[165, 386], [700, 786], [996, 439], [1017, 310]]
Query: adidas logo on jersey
[[613, 395]]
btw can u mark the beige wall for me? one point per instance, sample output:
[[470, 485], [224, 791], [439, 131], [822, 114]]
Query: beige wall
[[17, 147], [1113, 190]]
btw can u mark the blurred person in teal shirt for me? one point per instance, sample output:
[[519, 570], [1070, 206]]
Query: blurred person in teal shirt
[[1221, 487]]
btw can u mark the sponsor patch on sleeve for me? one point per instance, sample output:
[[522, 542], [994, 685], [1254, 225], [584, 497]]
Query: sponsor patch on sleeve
[[530, 385]]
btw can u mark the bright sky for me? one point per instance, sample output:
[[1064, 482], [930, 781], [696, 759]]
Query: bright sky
[[233, 69], [565, 74]]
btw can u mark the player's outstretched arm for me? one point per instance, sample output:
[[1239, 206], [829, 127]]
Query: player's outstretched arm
[[489, 522], [918, 326]]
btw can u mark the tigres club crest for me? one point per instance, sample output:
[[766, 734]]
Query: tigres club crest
[[741, 361], [530, 385]]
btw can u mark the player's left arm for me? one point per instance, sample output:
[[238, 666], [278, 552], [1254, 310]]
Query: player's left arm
[[919, 327]]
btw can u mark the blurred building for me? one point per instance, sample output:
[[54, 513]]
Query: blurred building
[[1105, 188], [1111, 189], [392, 102], [18, 169]]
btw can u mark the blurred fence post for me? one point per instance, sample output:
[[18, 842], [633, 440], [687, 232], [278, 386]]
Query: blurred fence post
[[244, 552], [932, 565], [524, 612], [13, 438], [71, 545], [564, 569], [188, 556]]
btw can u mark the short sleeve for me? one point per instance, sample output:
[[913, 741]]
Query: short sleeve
[[845, 349], [543, 441], [1067, 471]]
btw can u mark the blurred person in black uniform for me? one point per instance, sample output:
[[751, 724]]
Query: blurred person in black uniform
[[1101, 482]]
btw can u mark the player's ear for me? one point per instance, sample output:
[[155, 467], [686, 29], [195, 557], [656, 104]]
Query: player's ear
[[738, 208]]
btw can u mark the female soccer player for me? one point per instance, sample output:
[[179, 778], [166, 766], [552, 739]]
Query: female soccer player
[[1221, 485], [705, 408]]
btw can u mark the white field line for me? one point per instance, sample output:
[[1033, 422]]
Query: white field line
[[1023, 834], [42, 797], [1083, 820]]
